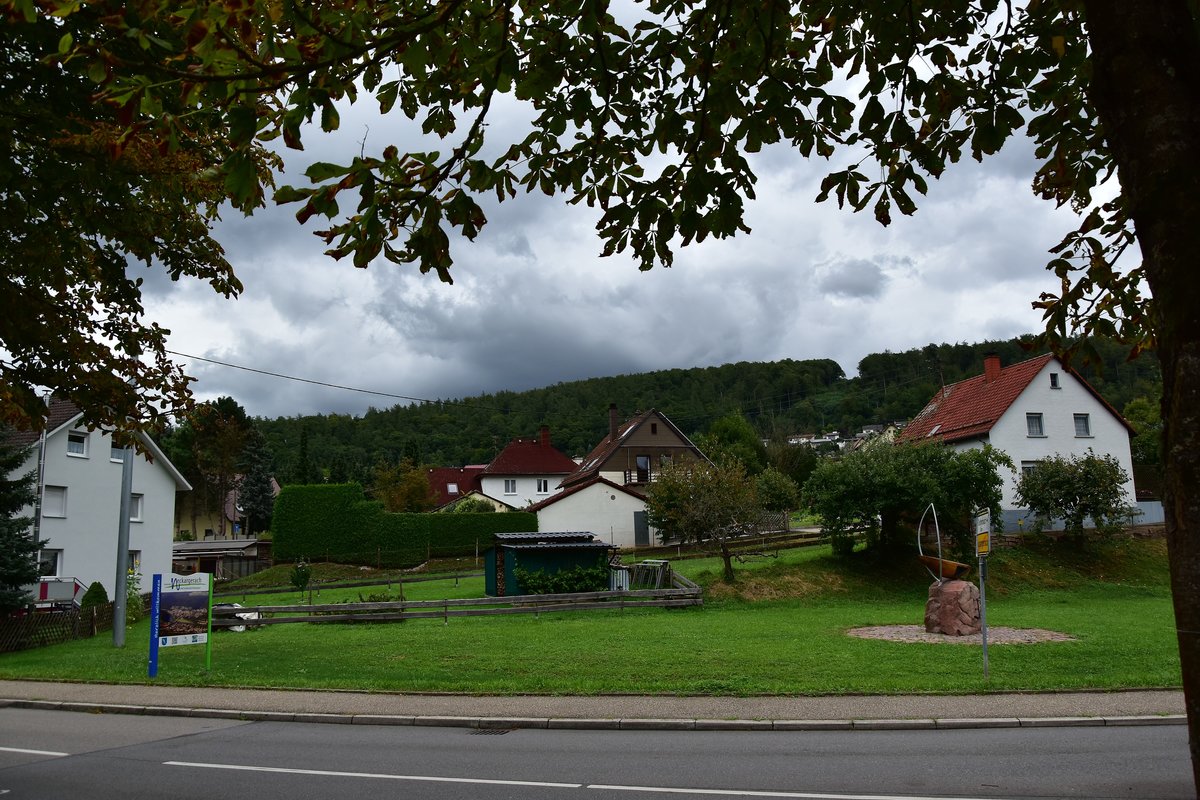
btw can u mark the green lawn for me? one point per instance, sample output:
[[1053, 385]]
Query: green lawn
[[781, 630]]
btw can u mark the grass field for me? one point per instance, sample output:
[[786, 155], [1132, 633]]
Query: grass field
[[779, 630]]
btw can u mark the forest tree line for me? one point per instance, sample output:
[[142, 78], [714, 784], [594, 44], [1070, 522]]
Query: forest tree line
[[779, 399]]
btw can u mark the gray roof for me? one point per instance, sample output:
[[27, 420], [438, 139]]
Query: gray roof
[[548, 537], [213, 547], [560, 546]]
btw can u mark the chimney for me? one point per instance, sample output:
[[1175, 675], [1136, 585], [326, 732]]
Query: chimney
[[991, 367], [544, 436], [612, 421]]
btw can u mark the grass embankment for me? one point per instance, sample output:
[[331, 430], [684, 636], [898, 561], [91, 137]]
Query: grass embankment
[[779, 630]]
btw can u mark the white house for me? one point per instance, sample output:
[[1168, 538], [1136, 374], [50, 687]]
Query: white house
[[525, 472], [81, 497], [616, 514], [1031, 410]]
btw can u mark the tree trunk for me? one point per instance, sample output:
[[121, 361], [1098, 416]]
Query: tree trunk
[[727, 557], [1146, 90]]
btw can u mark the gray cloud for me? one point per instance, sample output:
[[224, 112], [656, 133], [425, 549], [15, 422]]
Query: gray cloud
[[853, 279], [533, 304]]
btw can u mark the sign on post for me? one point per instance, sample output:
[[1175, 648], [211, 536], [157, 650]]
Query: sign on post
[[983, 545], [180, 613]]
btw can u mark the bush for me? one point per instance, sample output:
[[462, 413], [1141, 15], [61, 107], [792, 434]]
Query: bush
[[566, 581], [300, 575], [96, 595], [1075, 489]]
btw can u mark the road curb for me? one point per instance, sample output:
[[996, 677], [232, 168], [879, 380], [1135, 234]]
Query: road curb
[[626, 724]]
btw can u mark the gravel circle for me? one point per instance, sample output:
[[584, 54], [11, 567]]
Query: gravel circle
[[917, 633]]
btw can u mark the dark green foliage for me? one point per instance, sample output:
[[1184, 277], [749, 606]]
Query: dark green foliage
[[256, 496], [576, 579], [776, 491], [309, 520], [18, 548], [874, 491], [1074, 489], [777, 399], [732, 436], [473, 505], [334, 523], [96, 595], [300, 575], [1145, 417]]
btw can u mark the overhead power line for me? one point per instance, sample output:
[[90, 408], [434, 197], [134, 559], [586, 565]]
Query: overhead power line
[[302, 380]]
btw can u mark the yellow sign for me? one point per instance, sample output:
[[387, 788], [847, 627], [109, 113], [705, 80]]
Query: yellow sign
[[983, 543]]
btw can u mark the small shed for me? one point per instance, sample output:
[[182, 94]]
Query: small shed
[[551, 552], [224, 558]]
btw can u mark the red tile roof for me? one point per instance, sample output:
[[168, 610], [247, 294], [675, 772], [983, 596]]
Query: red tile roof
[[61, 412], [530, 457], [466, 480], [970, 408]]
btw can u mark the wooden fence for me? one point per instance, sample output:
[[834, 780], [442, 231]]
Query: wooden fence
[[682, 593], [44, 628]]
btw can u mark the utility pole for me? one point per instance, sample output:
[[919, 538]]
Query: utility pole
[[123, 549]]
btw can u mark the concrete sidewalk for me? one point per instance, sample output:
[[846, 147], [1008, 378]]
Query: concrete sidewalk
[[612, 711]]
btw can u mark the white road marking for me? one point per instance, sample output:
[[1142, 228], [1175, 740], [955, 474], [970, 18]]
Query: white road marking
[[381, 775], [751, 793], [32, 752], [551, 785]]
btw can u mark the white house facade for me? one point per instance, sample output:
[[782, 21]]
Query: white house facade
[[1031, 410], [1057, 414], [81, 497], [613, 513], [525, 472]]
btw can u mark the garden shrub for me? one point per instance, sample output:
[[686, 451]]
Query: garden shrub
[[566, 581], [96, 595]]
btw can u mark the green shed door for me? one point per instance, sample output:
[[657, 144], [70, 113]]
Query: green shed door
[[641, 529]]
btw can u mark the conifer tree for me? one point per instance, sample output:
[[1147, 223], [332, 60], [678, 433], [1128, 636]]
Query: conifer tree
[[18, 547]]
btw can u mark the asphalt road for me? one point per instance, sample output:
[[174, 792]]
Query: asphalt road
[[55, 754]]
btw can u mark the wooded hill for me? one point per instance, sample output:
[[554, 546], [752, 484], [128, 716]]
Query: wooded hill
[[779, 398]]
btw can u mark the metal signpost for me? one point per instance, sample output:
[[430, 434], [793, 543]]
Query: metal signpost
[[181, 613], [983, 545]]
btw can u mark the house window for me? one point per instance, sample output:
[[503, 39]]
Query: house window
[[1034, 423], [135, 507], [133, 561], [643, 469], [451, 488], [543, 486], [77, 444], [510, 485], [1054, 381], [1028, 467], [1083, 425], [54, 501], [50, 563], [116, 453], [653, 428]]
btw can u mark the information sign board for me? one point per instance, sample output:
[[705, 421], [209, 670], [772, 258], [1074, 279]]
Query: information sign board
[[180, 614]]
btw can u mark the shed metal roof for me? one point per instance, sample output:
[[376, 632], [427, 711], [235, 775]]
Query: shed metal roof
[[550, 536]]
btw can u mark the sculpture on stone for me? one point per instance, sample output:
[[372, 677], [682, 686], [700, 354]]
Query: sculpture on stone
[[953, 605]]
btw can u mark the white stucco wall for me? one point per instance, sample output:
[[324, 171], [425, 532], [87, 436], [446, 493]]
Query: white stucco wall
[[600, 509], [526, 494], [1058, 408], [87, 536]]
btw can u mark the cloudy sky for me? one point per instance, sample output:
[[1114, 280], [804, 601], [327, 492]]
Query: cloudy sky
[[533, 304]]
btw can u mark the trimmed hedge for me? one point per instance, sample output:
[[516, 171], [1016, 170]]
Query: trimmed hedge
[[334, 523]]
